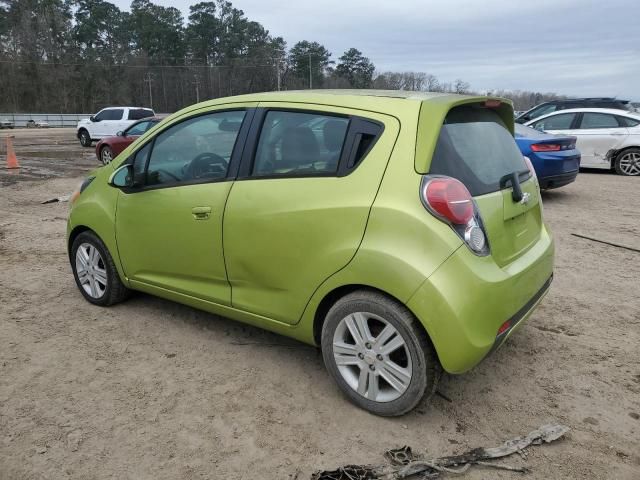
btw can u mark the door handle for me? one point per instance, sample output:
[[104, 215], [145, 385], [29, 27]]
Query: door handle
[[201, 213]]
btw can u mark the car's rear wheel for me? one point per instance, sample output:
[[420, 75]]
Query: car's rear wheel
[[378, 354], [106, 155], [85, 138], [628, 162], [95, 272]]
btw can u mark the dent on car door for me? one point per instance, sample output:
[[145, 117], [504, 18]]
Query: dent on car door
[[598, 134], [169, 226], [295, 217]]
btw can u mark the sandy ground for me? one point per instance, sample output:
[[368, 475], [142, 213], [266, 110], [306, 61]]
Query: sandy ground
[[150, 389]]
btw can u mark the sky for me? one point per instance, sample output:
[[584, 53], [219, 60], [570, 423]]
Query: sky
[[570, 47]]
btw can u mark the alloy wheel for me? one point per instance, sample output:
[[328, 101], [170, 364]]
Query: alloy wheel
[[630, 163], [372, 357], [91, 271], [105, 155]]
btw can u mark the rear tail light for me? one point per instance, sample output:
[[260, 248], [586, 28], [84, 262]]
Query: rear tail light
[[450, 201], [546, 147]]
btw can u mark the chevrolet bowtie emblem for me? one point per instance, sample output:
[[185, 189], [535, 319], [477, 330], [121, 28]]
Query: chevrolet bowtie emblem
[[525, 198]]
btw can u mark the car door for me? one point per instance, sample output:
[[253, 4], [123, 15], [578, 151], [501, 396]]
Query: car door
[[597, 134], [110, 121], [169, 226], [298, 211]]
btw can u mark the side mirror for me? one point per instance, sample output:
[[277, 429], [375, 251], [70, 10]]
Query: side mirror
[[92, 118], [120, 134], [122, 177]]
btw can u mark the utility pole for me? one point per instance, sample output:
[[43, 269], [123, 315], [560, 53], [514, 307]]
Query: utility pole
[[310, 81], [196, 82], [278, 72], [148, 79]]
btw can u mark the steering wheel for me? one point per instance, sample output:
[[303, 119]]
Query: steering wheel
[[207, 165], [159, 171]]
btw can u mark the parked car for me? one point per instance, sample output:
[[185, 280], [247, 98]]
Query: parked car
[[607, 138], [324, 217], [6, 123], [37, 124], [110, 147], [109, 121], [570, 103], [555, 158]]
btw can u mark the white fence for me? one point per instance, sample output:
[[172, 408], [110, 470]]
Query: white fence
[[53, 119]]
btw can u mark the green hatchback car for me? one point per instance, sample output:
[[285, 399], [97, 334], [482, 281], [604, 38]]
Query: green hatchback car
[[401, 232]]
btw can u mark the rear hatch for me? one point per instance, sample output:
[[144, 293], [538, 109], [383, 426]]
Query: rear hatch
[[476, 147]]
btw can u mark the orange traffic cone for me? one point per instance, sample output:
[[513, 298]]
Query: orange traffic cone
[[12, 160]]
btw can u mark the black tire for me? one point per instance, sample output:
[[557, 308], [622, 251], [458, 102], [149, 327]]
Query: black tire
[[426, 369], [622, 170], [106, 155], [85, 138], [115, 291]]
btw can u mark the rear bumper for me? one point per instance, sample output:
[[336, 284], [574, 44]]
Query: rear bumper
[[464, 303], [555, 181]]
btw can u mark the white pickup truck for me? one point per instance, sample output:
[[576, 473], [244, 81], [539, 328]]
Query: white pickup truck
[[108, 122]]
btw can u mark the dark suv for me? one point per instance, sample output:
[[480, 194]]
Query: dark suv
[[552, 106]]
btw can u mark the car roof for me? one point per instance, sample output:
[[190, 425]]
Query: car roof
[[612, 111], [382, 101], [141, 108]]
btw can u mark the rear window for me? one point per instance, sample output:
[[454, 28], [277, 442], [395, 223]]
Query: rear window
[[475, 147]]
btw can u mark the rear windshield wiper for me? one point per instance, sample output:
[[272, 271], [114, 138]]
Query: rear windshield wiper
[[514, 179]]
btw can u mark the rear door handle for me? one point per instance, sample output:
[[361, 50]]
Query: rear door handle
[[201, 213]]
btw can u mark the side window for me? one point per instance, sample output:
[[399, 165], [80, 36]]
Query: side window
[[101, 115], [138, 128], [543, 110], [628, 122], [556, 122], [196, 149], [598, 120], [139, 113], [113, 114], [295, 143]]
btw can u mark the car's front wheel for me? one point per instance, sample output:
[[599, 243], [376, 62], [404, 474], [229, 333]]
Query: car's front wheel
[[95, 272], [85, 138], [378, 354], [628, 162], [106, 155]]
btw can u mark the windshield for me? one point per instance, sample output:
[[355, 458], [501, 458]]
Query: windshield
[[476, 147]]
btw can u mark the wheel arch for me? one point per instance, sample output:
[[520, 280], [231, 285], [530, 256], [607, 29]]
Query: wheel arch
[[613, 154], [339, 292], [73, 234]]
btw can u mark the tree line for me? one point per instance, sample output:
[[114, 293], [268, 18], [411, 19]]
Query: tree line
[[81, 55]]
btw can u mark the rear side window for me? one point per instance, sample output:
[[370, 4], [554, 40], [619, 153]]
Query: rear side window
[[299, 144], [140, 113], [475, 147], [628, 122], [598, 120]]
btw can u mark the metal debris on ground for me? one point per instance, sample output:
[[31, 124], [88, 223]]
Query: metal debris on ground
[[64, 198], [406, 464]]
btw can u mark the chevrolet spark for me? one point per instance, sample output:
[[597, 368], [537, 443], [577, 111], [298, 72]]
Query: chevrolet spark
[[400, 232]]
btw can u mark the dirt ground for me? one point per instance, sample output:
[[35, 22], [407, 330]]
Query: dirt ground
[[150, 389]]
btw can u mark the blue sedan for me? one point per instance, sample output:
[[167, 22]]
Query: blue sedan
[[555, 158]]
